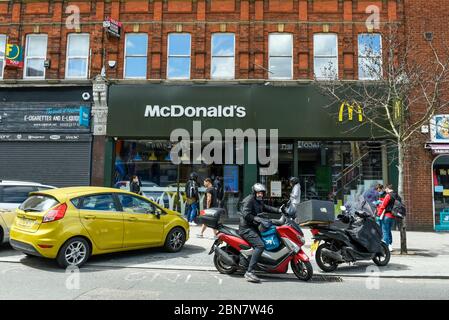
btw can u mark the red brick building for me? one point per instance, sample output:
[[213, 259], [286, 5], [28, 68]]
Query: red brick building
[[251, 22]]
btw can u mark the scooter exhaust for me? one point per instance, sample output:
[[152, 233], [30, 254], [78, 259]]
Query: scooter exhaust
[[226, 258], [332, 255]]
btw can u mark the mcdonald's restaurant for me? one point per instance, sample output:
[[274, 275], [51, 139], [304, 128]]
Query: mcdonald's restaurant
[[327, 145]]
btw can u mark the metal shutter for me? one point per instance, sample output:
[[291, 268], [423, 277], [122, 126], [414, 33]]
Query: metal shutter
[[58, 164]]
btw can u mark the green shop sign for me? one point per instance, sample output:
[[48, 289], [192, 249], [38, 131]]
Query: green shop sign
[[300, 111]]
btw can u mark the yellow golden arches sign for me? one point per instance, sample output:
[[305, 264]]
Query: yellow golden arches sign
[[355, 107]]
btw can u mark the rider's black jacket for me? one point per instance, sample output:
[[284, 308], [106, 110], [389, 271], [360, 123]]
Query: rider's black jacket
[[250, 208]]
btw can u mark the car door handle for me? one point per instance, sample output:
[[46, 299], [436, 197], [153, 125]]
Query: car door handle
[[89, 217], [132, 219]]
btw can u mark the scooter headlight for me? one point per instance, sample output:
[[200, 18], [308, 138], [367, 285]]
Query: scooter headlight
[[301, 239], [291, 245]]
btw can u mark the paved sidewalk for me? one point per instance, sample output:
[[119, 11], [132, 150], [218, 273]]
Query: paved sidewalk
[[428, 258]]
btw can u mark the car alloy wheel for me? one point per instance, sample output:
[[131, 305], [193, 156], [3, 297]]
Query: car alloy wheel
[[75, 253], [176, 240]]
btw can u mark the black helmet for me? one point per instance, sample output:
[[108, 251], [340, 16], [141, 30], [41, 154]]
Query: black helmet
[[258, 187], [293, 180], [193, 176]]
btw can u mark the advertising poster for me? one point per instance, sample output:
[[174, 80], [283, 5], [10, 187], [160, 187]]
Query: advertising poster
[[276, 189], [231, 178]]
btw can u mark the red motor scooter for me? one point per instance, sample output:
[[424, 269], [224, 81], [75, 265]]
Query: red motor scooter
[[233, 253]]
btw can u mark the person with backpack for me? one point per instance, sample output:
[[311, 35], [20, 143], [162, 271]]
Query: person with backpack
[[386, 216], [210, 201], [192, 198], [219, 191]]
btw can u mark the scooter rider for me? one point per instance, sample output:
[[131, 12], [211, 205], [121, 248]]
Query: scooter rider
[[253, 205]]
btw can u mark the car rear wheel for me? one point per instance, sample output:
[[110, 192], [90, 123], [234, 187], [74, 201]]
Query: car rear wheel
[[175, 240], [1, 235], [74, 253]]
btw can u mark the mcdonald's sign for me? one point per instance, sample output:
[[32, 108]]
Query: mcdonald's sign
[[14, 56], [355, 107]]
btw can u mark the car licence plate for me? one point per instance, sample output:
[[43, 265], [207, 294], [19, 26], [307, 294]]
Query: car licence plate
[[25, 222]]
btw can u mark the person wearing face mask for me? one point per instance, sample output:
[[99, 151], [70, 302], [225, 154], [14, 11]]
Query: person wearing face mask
[[252, 206]]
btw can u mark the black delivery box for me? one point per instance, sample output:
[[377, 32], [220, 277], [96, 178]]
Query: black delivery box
[[315, 211]]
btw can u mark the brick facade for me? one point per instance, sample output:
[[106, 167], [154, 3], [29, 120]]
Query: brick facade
[[251, 21]]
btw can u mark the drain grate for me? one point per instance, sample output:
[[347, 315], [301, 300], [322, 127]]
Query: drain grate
[[322, 278]]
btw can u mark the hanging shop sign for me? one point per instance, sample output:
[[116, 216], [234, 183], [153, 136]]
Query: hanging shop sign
[[439, 128], [14, 56], [39, 118], [113, 27]]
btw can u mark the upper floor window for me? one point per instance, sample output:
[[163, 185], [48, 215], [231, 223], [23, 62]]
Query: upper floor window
[[223, 56], [325, 52], [136, 50], [35, 56], [178, 66], [281, 56], [2, 54], [77, 56], [370, 56]]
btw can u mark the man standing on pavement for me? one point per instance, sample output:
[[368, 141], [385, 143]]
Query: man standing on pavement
[[210, 201], [386, 216], [192, 198]]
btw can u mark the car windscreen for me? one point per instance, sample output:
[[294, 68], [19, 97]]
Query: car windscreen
[[38, 203]]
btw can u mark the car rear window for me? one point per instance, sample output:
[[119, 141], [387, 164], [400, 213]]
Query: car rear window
[[16, 194], [38, 203]]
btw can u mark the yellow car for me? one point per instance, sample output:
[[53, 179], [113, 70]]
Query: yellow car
[[71, 224]]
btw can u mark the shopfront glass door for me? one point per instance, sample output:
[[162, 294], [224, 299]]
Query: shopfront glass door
[[441, 192]]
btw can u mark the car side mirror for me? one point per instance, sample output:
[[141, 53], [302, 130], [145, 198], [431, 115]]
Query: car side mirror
[[158, 213]]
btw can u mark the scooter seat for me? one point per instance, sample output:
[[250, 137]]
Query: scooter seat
[[229, 231]]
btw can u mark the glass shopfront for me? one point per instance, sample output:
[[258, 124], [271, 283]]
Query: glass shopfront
[[441, 192]]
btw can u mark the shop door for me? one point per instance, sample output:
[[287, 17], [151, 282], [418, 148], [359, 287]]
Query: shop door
[[441, 192], [59, 164]]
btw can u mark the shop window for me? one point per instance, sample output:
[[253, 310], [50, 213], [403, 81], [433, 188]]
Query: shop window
[[370, 56], [441, 193], [35, 56], [223, 56], [136, 50], [281, 56], [2, 54], [325, 52], [179, 48], [77, 56]]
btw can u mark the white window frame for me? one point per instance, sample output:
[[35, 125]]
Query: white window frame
[[77, 57], [328, 57], [179, 56], [138, 56], [360, 57], [270, 76], [3, 58], [218, 57], [28, 37]]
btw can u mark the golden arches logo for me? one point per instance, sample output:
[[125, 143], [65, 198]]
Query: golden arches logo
[[355, 107]]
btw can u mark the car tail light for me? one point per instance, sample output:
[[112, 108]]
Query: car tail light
[[55, 214], [202, 212], [314, 231]]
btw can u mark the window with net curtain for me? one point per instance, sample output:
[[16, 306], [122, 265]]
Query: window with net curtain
[[35, 56], [136, 50], [77, 56], [179, 48], [223, 56], [2, 54], [280, 56], [325, 53], [370, 56]]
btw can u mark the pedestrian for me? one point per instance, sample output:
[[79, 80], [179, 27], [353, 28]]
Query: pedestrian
[[135, 185], [192, 198], [380, 190], [210, 201], [386, 216], [219, 191], [295, 196]]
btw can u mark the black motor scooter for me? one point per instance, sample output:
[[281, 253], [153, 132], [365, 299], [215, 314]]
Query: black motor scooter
[[353, 238]]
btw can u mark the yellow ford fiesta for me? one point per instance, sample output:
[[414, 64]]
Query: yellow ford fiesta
[[71, 224]]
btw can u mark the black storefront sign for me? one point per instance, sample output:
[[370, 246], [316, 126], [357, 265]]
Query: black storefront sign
[[27, 118]]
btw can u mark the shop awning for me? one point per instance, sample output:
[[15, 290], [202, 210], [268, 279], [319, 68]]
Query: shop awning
[[438, 148]]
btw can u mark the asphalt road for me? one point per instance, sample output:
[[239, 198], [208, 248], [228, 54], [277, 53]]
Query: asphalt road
[[40, 279]]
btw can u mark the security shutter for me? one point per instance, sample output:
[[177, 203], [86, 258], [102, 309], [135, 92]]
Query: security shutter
[[59, 164]]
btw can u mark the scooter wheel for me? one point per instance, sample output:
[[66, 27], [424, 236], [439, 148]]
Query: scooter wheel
[[325, 264], [221, 266], [302, 269], [383, 259]]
